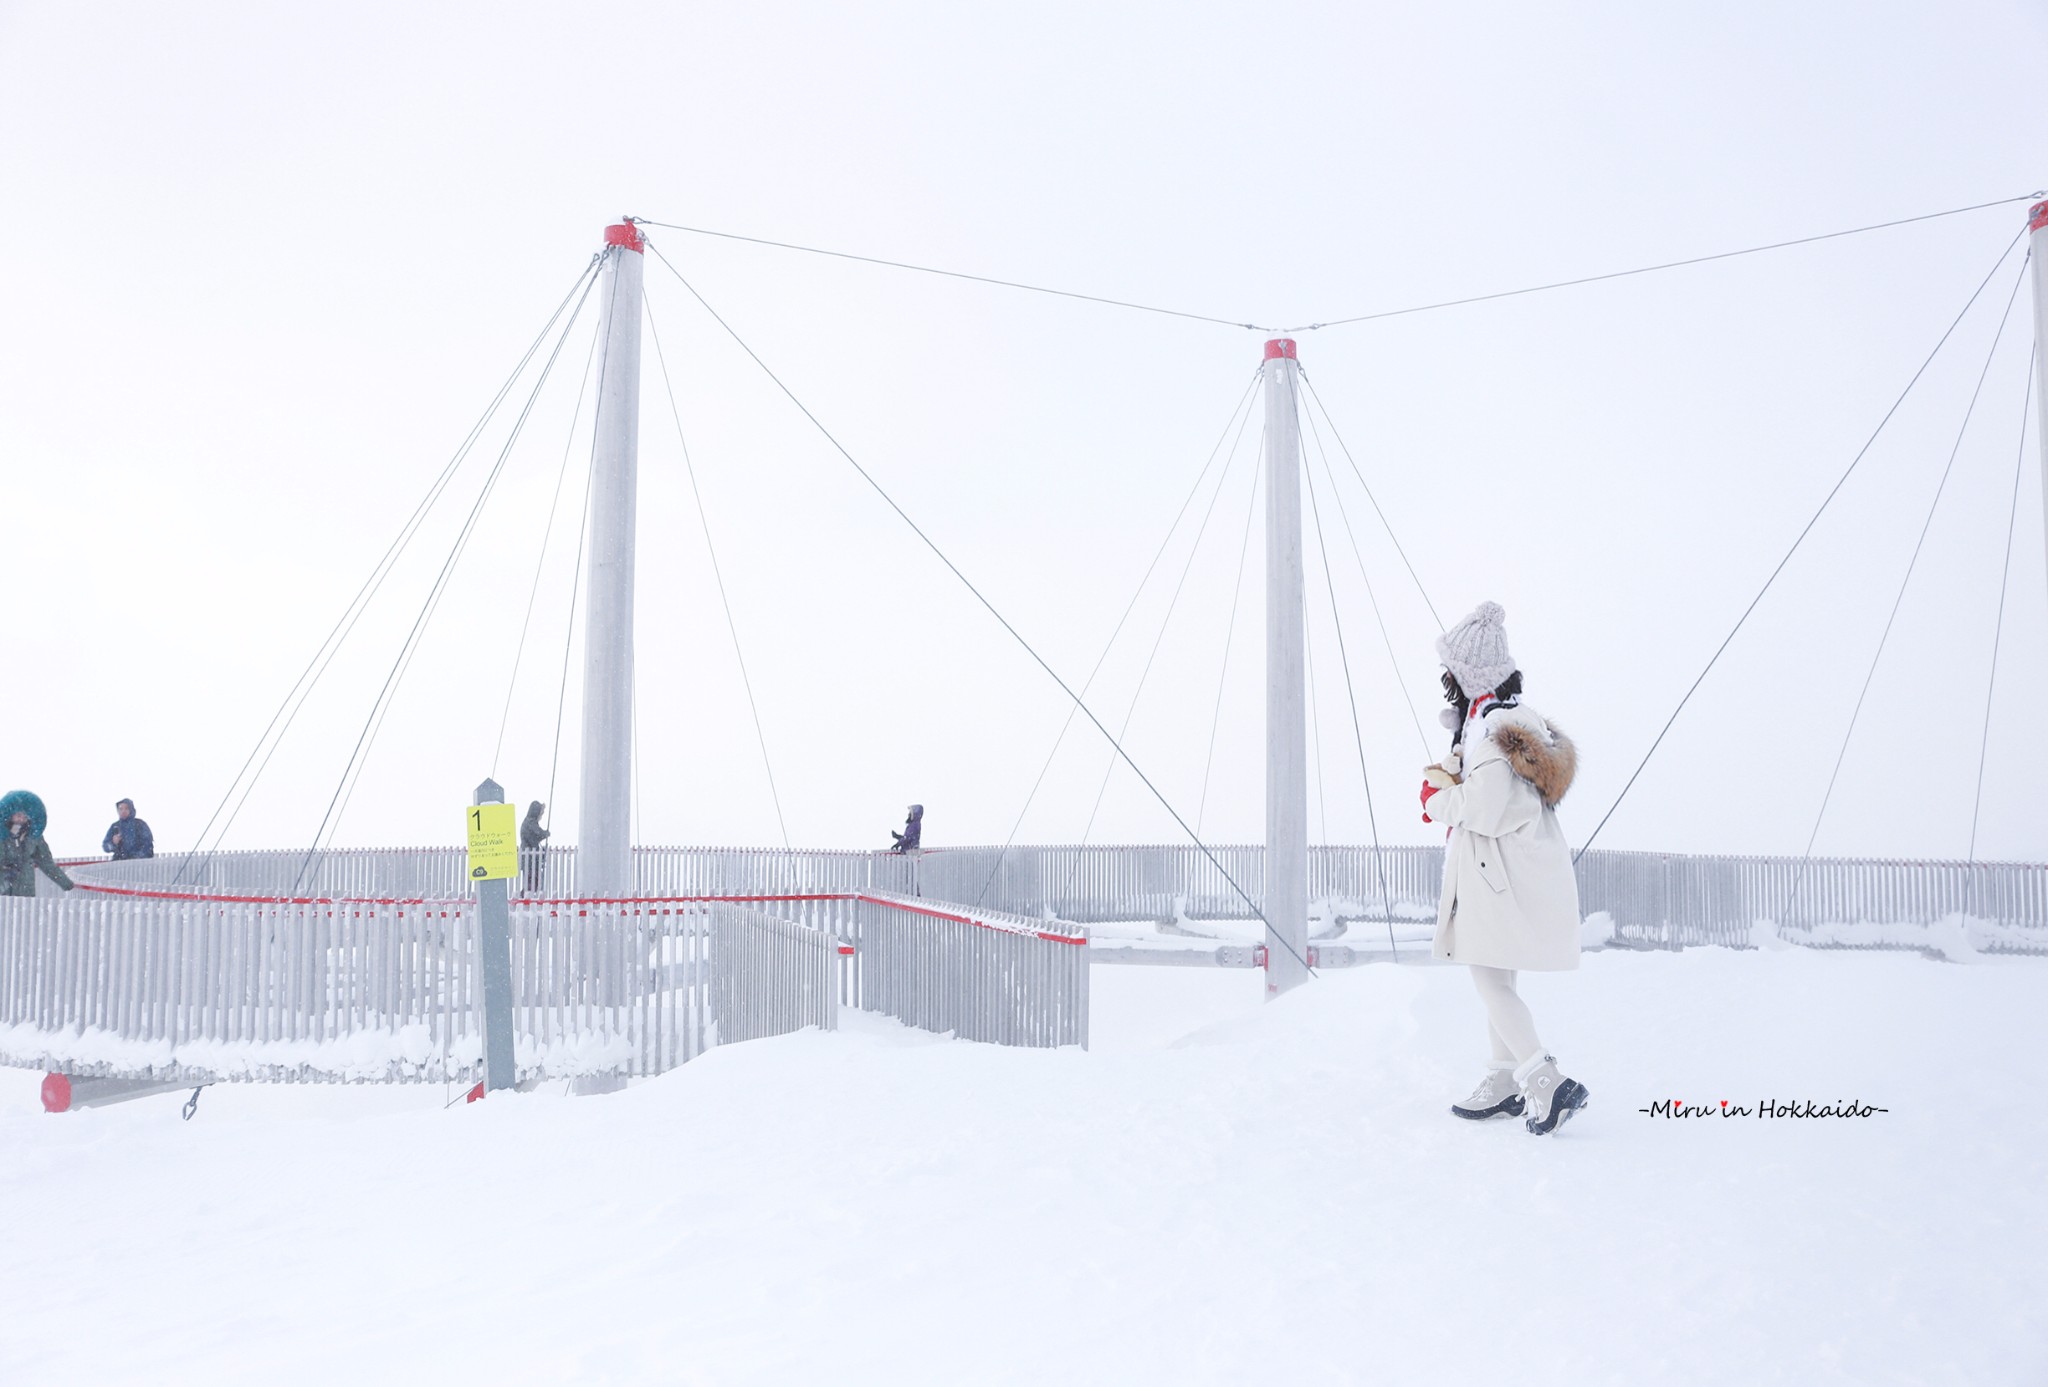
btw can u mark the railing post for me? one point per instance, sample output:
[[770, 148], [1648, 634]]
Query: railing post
[[604, 857], [1286, 887]]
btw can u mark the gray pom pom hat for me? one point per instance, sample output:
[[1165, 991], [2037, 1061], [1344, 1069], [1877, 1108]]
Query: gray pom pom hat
[[1475, 651]]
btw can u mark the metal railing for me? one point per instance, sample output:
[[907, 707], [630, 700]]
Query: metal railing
[[775, 976], [980, 975], [1664, 899], [198, 969], [203, 990], [440, 873]]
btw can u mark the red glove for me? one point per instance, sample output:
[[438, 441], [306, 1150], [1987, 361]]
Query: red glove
[[1427, 790]]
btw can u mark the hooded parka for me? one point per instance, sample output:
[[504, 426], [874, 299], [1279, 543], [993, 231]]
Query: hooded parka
[[1510, 897], [22, 855]]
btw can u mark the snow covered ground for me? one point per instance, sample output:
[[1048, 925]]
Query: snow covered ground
[[1220, 1192]]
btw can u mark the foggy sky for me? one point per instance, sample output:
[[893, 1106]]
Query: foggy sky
[[267, 265]]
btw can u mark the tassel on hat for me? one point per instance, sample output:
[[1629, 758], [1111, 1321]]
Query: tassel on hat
[[1475, 651]]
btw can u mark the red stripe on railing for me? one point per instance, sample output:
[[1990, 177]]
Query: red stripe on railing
[[259, 900], [969, 920], [586, 901]]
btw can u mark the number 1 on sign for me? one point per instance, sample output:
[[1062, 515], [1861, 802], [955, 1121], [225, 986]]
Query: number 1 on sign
[[493, 842]]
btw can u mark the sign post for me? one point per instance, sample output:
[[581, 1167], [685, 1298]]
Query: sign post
[[493, 832]]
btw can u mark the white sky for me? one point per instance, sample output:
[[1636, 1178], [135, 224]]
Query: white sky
[[266, 264]]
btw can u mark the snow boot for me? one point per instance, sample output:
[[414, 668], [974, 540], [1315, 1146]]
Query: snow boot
[[1552, 1098], [1496, 1096]]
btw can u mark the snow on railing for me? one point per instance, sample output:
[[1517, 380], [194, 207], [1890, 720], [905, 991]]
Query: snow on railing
[[198, 990], [976, 974], [203, 968], [1673, 901], [776, 976], [1665, 899]]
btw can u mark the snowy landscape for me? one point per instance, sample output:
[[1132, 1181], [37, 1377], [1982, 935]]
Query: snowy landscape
[[1219, 1191], [906, 694]]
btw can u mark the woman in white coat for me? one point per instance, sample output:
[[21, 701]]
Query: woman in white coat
[[1510, 899]]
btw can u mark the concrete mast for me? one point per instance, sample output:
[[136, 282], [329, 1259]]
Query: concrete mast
[[2037, 231], [1286, 884], [604, 850]]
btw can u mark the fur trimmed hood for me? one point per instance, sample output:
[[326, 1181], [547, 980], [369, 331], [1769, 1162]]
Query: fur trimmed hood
[[1548, 765]]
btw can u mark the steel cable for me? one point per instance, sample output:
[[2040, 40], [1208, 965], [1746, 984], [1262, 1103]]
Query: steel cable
[[1351, 697], [952, 274], [351, 614], [1367, 488], [1315, 718], [359, 754], [2005, 580], [717, 574], [1666, 265], [539, 564], [448, 573], [1357, 318], [988, 606], [1110, 644], [1800, 539], [1229, 631], [1358, 556], [1912, 564], [1172, 605]]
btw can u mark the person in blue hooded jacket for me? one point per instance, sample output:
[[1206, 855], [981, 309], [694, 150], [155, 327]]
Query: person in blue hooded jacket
[[128, 836]]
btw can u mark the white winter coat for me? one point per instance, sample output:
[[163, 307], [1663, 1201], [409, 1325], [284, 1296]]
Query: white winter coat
[[1510, 897]]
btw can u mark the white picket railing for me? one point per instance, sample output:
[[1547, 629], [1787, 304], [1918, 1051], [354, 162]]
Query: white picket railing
[[199, 968], [204, 989], [439, 873], [774, 976], [978, 975], [1660, 898]]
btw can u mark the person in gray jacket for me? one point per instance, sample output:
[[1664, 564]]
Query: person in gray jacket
[[533, 857]]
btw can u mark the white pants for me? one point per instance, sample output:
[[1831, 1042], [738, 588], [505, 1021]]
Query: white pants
[[1509, 1027]]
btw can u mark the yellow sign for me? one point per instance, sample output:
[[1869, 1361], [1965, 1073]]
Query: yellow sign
[[493, 842]]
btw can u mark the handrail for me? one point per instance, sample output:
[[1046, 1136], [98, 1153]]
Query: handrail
[[900, 903], [1669, 899], [915, 908]]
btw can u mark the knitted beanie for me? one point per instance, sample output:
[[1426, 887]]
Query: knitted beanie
[[1475, 651]]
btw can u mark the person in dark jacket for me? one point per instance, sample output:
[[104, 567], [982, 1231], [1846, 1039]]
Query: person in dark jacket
[[23, 852], [128, 836], [531, 836], [913, 831]]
